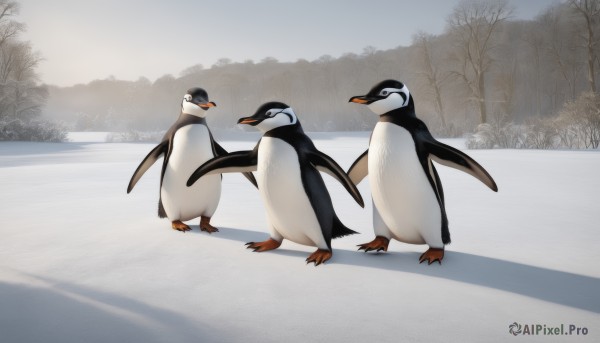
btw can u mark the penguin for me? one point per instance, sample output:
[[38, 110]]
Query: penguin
[[287, 166], [187, 143], [407, 194]]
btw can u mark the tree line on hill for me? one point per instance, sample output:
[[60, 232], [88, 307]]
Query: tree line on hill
[[513, 83]]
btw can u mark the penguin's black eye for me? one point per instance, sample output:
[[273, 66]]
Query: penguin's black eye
[[384, 93]]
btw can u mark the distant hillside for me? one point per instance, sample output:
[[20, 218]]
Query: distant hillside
[[531, 69]]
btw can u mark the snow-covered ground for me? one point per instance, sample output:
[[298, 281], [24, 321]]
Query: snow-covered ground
[[87, 137], [82, 261]]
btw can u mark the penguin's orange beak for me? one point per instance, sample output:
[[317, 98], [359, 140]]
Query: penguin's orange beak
[[208, 105], [248, 121], [358, 99]]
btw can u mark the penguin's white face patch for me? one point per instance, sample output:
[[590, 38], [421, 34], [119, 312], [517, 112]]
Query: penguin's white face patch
[[276, 117], [403, 90], [190, 108], [393, 100]]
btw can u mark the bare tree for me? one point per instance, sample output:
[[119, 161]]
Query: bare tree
[[9, 28], [583, 115], [16, 62], [562, 50], [506, 83], [21, 97], [473, 23], [590, 12], [535, 41], [430, 73], [27, 96]]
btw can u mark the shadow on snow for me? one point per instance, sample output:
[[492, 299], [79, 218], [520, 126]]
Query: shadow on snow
[[65, 312], [573, 290]]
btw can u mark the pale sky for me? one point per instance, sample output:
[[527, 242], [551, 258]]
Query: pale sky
[[86, 40]]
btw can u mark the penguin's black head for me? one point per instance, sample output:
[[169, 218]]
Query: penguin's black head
[[270, 116], [195, 102], [386, 96]]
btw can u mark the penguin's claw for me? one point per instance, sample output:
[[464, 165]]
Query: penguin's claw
[[269, 244], [180, 226], [208, 228], [319, 256], [432, 255], [380, 243], [205, 225]]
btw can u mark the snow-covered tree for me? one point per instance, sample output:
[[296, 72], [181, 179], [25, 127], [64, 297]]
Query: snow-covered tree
[[582, 116], [21, 96]]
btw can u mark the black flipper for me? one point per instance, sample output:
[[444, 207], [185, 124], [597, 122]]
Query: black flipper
[[438, 183], [218, 151], [326, 164], [450, 157], [147, 162], [428, 149], [234, 162], [440, 194], [443, 154], [320, 200], [360, 168]]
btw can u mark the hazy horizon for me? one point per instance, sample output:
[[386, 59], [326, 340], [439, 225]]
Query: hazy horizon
[[84, 41]]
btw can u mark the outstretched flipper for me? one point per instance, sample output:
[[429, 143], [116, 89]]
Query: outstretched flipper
[[360, 168], [234, 162], [220, 151], [450, 157], [147, 162], [326, 164]]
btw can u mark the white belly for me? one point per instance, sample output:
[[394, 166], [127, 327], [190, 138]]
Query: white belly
[[288, 208], [191, 148], [400, 188]]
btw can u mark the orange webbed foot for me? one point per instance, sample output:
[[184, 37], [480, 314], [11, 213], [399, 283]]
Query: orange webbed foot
[[205, 225], [432, 255], [180, 226], [319, 256], [380, 243], [269, 244]]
